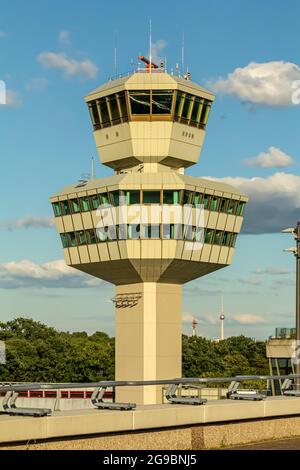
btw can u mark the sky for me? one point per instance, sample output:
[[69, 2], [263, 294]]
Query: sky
[[52, 53]]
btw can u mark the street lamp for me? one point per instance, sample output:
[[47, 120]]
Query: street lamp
[[296, 251]]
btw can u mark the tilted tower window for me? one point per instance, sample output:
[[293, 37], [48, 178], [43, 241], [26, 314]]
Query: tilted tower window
[[191, 110]]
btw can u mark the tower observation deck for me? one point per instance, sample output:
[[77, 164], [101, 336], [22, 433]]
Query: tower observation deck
[[149, 228]]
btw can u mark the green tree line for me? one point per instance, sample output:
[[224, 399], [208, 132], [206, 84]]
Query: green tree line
[[39, 353]]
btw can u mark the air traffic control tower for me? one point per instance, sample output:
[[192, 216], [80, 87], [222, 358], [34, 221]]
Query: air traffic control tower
[[126, 229]]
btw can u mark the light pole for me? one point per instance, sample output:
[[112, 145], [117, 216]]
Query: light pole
[[296, 250]]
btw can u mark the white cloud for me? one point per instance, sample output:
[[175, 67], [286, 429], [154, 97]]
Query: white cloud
[[37, 84], [269, 83], [273, 271], [248, 318], [30, 221], [157, 48], [70, 67], [54, 274], [274, 157], [252, 281], [274, 202], [13, 99], [64, 38]]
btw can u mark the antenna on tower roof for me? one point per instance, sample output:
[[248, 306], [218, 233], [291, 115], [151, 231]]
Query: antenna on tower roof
[[182, 55], [115, 55], [150, 44]]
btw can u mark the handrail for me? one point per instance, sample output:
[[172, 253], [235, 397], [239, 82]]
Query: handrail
[[134, 383]]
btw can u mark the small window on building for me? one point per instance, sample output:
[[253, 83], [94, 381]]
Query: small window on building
[[56, 209], [72, 239], [196, 112], [102, 234], [171, 197], [104, 112], [188, 197], [84, 202], [103, 198], [151, 197], [214, 205], [233, 239], [122, 232], [123, 105], [140, 102], [114, 197], [64, 240], [240, 208], [231, 208], [218, 237], [178, 105], [150, 231], [65, 207], [208, 235], [198, 199], [81, 237], [94, 115], [134, 231], [114, 110], [133, 197], [224, 205], [185, 115], [206, 201], [226, 239], [91, 236], [162, 101], [94, 202], [74, 204]]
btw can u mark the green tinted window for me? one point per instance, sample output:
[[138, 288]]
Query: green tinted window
[[74, 204], [226, 239], [171, 197], [186, 108], [151, 197], [208, 235], [81, 237], [218, 237], [233, 239], [94, 202], [65, 208], [56, 209], [231, 208], [72, 239], [103, 198], [198, 199], [64, 240], [134, 197], [188, 197], [206, 201], [84, 201], [91, 236], [240, 208], [179, 105], [114, 196], [214, 205], [195, 116]]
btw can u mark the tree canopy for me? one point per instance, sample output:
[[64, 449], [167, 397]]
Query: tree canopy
[[39, 353]]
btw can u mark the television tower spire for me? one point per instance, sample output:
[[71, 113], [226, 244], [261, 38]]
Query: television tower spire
[[222, 318]]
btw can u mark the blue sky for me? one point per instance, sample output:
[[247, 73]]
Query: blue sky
[[53, 52]]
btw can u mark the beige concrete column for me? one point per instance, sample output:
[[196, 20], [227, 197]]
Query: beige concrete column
[[148, 338]]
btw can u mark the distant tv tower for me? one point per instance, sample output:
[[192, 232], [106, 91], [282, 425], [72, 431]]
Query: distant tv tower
[[222, 318], [194, 326]]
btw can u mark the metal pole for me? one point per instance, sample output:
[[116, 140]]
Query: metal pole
[[297, 365]]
